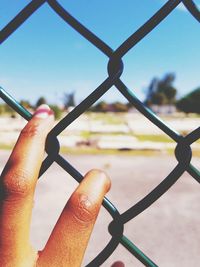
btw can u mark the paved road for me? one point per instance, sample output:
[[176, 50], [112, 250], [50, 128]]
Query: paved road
[[168, 232]]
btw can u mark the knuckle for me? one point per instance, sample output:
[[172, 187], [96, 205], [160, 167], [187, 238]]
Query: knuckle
[[16, 183], [82, 208]]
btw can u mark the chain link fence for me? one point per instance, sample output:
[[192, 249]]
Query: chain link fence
[[183, 152]]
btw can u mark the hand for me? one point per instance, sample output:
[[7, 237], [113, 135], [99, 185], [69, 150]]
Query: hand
[[17, 186]]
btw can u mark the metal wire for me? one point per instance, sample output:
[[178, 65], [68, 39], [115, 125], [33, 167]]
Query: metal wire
[[183, 152]]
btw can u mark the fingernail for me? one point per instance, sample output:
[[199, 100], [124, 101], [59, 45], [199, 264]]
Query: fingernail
[[43, 111]]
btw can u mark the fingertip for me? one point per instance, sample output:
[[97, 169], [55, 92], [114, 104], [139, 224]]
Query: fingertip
[[43, 112], [100, 178], [118, 264], [85, 202], [40, 124]]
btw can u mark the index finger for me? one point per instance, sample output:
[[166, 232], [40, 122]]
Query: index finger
[[17, 186]]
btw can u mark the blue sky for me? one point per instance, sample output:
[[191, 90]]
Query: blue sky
[[46, 57]]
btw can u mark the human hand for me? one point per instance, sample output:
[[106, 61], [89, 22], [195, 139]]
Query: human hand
[[17, 186]]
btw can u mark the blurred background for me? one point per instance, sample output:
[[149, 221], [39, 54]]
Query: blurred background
[[46, 61]]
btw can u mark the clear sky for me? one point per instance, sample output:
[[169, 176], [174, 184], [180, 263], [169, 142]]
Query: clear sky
[[46, 57]]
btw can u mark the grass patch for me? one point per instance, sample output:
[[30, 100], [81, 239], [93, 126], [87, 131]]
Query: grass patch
[[108, 118], [88, 134], [95, 151], [154, 138], [6, 146]]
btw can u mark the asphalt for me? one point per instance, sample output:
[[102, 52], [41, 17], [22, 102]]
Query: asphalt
[[168, 232]]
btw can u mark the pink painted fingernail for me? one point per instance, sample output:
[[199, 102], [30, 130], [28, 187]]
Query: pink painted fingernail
[[43, 111]]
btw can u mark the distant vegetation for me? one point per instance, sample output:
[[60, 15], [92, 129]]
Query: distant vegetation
[[190, 103], [160, 92], [5, 109], [42, 100], [113, 107]]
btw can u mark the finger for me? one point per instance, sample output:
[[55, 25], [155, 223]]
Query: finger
[[68, 241], [18, 181], [118, 264]]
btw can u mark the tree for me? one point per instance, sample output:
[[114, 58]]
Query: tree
[[166, 87], [158, 99], [2, 109], [25, 103], [57, 111], [6, 109], [151, 91], [190, 103], [41, 101], [69, 100], [162, 91], [119, 107], [101, 107]]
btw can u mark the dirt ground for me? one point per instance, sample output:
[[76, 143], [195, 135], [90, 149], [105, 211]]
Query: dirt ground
[[168, 232]]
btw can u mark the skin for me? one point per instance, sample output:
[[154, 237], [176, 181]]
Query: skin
[[17, 187]]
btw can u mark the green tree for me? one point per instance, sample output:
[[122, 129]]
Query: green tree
[[190, 103], [57, 111], [119, 107], [159, 99], [166, 87], [152, 88], [7, 110], [69, 100], [101, 107], [161, 91], [40, 101], [25, 103], [2, 109]]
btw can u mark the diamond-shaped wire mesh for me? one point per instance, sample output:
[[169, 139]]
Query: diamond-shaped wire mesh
[[183, 151]]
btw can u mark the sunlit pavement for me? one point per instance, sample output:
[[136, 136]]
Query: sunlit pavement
[[168, 232]]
